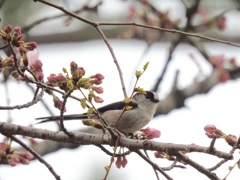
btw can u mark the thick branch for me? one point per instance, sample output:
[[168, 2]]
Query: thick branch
[[97, 139]]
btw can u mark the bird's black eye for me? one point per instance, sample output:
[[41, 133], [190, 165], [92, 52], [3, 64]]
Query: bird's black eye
[[147, 96]]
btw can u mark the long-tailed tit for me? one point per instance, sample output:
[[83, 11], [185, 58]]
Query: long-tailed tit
[[142, 111]]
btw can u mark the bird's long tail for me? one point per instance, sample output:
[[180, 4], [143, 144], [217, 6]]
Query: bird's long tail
[[65, 118]]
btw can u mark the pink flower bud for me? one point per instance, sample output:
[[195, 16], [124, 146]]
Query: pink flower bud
[[58, 103], [210, 128], [151, 133], [119, 162], [8, 29], [96, 81], [97, 89], [97, 76], [231, 139], [26, 155], [24, 161], [7, 62], [73, 66], [55, 79], [212, 131], [97, 99], [124, 161], [160, 154], [12, 163], [23, 51], [17, 29], [30, 45], [81, 71]]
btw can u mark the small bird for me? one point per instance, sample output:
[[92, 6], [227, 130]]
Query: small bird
[[143, 107]]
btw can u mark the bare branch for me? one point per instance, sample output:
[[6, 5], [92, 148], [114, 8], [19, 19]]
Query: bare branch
[[99, 139], [36, 155], [155, 166], [26, 105], [197, 166]]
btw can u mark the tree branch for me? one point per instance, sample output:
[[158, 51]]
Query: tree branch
[[101, 139]]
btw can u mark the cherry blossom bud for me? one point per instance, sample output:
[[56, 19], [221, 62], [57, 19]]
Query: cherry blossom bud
[[16, 36], [119, 162], [98, 76], [17, 29], [124, 161], [7, 62], [212, 131], [98, 90], [97, 99], [96, 81], [12, 163], [73, 66], [160, 154], [231, 139], [81, 71], [151, 133], [30, 45], [55, 79], [58, 103], [8, 28]]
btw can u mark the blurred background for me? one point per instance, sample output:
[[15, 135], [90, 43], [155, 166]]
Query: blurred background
[[62, 39]]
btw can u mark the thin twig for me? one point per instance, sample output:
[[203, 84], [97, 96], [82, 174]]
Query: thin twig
[[170, 31], [112, 158], [65, 97], [155, 166], [111, 154], [114, 59], [212, 144], [171, 50], [173, 165], [222, 161], [238, 161], [26, 105], [36, 155], [195, 165], [35, 23], [155, 171]]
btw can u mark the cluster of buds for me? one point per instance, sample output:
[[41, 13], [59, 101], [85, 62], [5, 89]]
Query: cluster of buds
[[121, 162], [76, 80], [149, 15], [152, 16], [222, 64], [14, 37], [213, 132], [14, 157]]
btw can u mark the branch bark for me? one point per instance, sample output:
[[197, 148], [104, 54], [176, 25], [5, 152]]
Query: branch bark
[[101, 139]]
